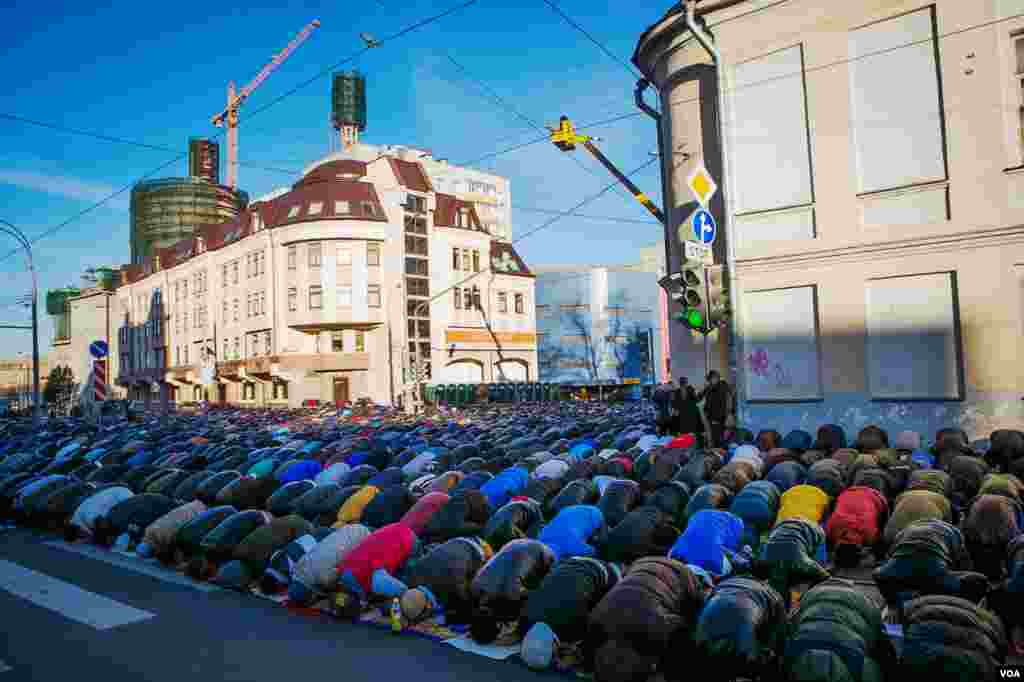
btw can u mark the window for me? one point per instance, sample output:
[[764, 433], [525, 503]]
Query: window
[[292, 257], [238, 348], [462, 218], [223, 276], [316, 297], [234, 274], [415, 204], [416, 266], [476, 297], [466, 258], [337, 342], [342, 208], [344, 255], [267, 343], [520, 304], [458, 298], [373, 296], [314, 254], [263, 302], [280, 390], [184, 289], [456, 261], [770, 90], [186, 354], [293, 299], [373, 255], [913, 338], [294, 211], [896, 100], [248, 266], [368, 209], [344, 295], [225, 348], [502, 302], [476, 261], [315, 208], [415, 225], [257, 222], [415, 245], [254, 348], [177, 355], [235, 308], [416, 286], [781, 335]]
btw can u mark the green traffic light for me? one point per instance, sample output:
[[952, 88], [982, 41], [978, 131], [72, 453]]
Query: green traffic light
[[694, 319]]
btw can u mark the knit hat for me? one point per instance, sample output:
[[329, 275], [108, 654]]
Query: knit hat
[[907, 440], [539, 646]]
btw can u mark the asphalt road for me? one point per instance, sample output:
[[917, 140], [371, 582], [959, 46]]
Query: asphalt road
[[69, 616]]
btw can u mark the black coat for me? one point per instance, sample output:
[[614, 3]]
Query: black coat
[[567, 595], [388, 506], [741, 629], [582, 491], [947, 638], [646, 531], [502, 585], [517, 519], [620, 497], [448, 571], [787, 557]]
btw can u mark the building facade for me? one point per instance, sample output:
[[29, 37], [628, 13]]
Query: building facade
[[16, 378], [875, 185], [91, 315], [335, 289], [600, 324]]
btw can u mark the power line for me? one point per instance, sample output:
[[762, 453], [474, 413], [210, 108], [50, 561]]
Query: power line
[[629, 68], [121, 140], [547, 138], [530, 122], [179, 157], [588, 217], [851, 60]]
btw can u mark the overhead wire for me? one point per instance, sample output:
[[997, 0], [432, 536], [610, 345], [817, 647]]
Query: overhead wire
[[628, 67], [92, 207]]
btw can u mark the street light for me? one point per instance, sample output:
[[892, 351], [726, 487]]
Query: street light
[[13, 231]]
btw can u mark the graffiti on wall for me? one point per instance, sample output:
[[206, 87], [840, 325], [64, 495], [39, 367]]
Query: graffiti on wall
[[762, 366]]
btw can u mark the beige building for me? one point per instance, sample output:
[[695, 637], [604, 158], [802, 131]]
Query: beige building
[[16, 377], [331, 290], [875, 177], [91, 316]]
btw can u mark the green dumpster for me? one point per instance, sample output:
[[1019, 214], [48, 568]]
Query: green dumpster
[[430, 394]]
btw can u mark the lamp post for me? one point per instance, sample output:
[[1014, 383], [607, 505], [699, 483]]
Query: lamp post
[[13, 231]]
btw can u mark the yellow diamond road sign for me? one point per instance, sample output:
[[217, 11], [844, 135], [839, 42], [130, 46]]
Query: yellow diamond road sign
[[701, 184]]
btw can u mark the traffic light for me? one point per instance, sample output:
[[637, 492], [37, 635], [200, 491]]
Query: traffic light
[[691, 297], [718, 298]]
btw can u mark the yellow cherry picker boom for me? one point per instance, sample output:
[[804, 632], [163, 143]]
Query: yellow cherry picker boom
[[566, 138]]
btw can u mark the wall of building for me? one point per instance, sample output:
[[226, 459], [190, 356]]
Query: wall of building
[[580, 307], [93, 317], [875, 151]]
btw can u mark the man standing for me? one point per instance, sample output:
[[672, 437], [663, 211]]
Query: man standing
[[718, 406]]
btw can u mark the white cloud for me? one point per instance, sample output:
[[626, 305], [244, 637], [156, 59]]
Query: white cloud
[[63, 186]]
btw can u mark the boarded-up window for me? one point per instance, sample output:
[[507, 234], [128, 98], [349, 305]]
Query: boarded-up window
[[913, 340], [781, 348], [895, 95], [771, 158]]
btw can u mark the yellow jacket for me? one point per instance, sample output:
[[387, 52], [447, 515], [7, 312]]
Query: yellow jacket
[[352, 510], [803, 502]]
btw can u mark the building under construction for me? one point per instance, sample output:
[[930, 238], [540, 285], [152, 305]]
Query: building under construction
[[167, 210]]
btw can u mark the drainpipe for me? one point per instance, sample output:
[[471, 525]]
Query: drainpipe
[[698, 29], [661, 369]]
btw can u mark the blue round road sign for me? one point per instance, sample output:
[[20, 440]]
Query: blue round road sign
[[98, 349], [704, 228]]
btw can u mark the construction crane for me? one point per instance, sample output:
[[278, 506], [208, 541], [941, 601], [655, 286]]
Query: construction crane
[[566, 138], [230, 114]]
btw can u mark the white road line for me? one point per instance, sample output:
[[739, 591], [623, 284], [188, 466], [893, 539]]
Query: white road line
[[5, 668], [66, 599], [136, 565]]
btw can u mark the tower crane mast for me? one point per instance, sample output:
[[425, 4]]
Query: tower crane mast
[[229, 116]]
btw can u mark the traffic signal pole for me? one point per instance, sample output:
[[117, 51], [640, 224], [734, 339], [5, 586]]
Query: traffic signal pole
[[707, 323]]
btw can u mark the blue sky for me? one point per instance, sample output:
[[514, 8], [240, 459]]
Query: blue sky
[[156, 73]]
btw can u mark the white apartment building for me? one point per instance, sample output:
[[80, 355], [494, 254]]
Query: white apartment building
[[331, 290], [876, 175]]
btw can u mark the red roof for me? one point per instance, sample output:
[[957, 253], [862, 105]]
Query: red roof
[[449, 206], [410, 175]]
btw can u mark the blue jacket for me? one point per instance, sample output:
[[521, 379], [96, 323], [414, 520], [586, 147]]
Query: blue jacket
[[300, 471], [506, 485], [710, 537], [569, 532]]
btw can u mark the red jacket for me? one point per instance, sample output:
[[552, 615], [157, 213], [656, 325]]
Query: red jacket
[[387, 548], [858, 518], [418, 517]]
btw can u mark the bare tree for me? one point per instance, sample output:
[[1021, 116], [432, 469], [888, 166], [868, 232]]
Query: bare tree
[[580, 323]]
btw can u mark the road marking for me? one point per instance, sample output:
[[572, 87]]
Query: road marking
[[66, 599], [4, 668], [136, 565]]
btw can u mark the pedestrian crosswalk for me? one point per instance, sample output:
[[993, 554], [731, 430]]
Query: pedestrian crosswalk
[[134, 564], [70, 601]]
